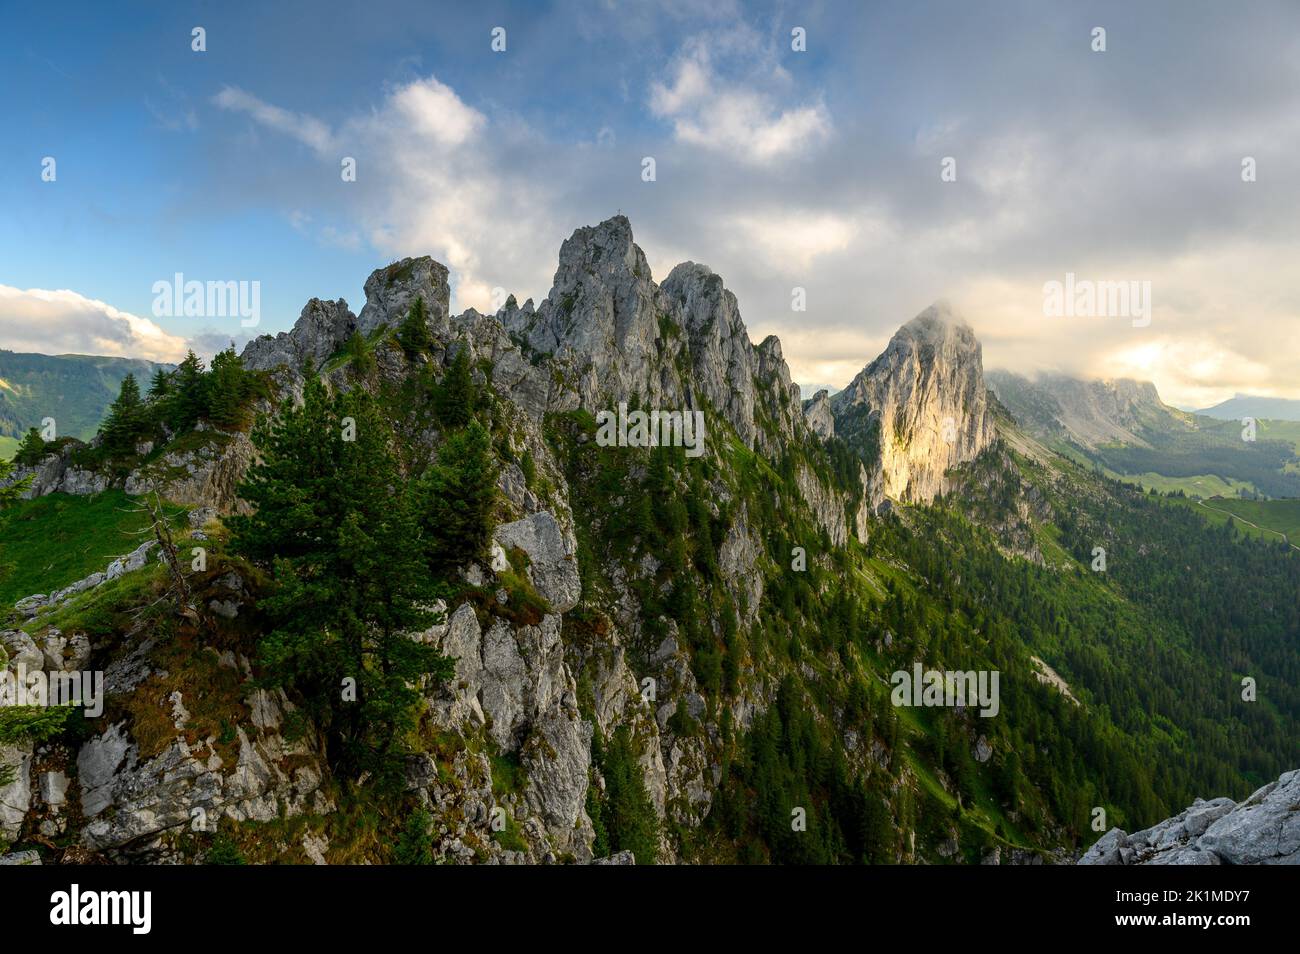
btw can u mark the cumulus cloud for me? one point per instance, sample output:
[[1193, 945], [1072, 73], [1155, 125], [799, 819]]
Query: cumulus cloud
[[64, 322], [739, 120], [431, 180]]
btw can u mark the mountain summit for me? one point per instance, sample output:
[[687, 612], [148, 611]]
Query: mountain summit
[[921, 407]]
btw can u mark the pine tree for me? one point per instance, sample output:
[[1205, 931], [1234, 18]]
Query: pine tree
[[334, 522], [456, 497], [189, 400], [414, 846], [413, 334], [362, 361], [227, 390], [126, 421], [32, 449], [454, 400], [160, 385]]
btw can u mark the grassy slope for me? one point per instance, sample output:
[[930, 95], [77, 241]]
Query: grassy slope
[[1202, 485], [1272, 519], [58, 539]]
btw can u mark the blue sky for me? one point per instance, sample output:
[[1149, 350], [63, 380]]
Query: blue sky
[[817, 169]]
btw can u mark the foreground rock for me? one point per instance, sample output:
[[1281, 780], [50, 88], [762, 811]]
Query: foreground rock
[[1262, 830]]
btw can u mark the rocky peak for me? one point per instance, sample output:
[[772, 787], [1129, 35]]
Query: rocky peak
[[390, 292], [678, 345], [925, 401], [319, 331], [721, 354], [601, 316], [817, 412]]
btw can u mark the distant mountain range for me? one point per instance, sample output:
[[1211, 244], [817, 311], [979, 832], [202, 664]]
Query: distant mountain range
[[1262, 408], [1124, 427], [75, 389]]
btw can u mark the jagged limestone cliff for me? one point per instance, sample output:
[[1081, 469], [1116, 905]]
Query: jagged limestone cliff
[[921, 406], [717, 631]]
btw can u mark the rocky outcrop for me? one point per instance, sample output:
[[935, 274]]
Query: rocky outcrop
[[56, 473], [129, 801], [552, 562], [819, 415], [319, 331], [391, 291], [203, 473], [922, 407], [206, 476], [1262, 830]]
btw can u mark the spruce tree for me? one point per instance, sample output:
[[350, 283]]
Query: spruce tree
[[363, 362], [126, 421], [32, 449], [456, 496], [227, 390], [160, 384], [334, 522], [454, 400], [189, 401], [413, 334]]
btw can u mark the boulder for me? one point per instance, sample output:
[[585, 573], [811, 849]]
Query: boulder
[[553, 566]]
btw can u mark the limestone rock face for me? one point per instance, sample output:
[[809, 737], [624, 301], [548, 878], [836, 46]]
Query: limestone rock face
[[553, 565], [1262, 830], [817, 412], [924, 404], [391, 291], [207, 476], [319, 331]]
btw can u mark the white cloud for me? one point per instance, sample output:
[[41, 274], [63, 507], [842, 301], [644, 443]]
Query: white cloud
[[434, 110], [791, 240], [431, 181], [64, 322], [728, 117], [306, 129]]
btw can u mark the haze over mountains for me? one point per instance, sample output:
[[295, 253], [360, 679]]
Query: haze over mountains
[[1246, 405], [1124, 427]]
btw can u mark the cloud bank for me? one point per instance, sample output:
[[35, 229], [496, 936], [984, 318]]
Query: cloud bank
[[64, 322]]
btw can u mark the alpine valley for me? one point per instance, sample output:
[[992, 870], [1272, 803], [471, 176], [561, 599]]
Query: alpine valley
[[374, 592]]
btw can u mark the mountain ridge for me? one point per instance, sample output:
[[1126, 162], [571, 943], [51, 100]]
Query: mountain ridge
[[662, 655]]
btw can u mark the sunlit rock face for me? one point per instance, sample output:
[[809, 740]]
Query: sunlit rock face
[[923, 404]]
